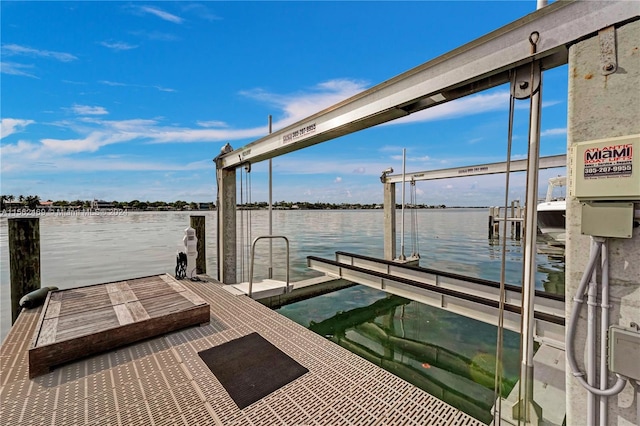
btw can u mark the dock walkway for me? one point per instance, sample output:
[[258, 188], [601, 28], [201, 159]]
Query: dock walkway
[[163, 381]]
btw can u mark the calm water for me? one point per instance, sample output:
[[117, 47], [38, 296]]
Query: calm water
[[447, 355], [83, 250]]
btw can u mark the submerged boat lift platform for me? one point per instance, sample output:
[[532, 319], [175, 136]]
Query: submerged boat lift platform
[[477, 299], [472, 297]]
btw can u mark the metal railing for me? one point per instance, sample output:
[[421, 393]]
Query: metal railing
[[253, 251]]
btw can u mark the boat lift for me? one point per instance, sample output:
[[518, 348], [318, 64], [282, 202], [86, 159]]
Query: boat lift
[[390, 180], [477, 66], [471, 297], [512, 54]]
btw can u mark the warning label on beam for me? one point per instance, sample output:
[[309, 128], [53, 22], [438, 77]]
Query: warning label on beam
[[299, 133], [468, 170]]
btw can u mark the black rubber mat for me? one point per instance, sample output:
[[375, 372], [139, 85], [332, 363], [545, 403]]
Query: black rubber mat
[[250, 368]]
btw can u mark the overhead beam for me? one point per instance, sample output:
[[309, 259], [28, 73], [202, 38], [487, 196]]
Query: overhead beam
[[479, 169], [476, 66]]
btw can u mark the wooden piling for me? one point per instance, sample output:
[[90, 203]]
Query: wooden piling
[[513, 223], [24, 259], [198, 223], [490, 223]]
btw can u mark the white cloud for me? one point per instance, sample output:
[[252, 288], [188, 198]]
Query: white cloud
[[97, 164], [154, 35], [13, 68], [17, 148], [89, 110], [112, 83], [298, 106], [161, 14], [201, 11], [94, 132], [390, 148], [91, 143], [17, 50], [411, 159], [212, 123], [10, 126], [143, 86], [118, 45], [470, 105], [553, 132], [185, 135], [298, 165], [164, 89]]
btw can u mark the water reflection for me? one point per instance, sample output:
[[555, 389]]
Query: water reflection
[[82, 250], [450, 356]]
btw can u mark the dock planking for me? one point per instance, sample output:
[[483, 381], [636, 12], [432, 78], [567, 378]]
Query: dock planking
[[163, 381], [83, 321]]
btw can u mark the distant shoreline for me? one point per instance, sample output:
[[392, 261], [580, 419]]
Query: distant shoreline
[[71, 211], [34, 205]]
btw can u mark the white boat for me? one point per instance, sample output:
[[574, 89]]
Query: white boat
[[552, 212]]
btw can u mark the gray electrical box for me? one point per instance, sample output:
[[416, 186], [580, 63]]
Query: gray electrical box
[[624, 351], [613, 220]]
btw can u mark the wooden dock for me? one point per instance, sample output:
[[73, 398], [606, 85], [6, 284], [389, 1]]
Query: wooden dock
[[87, 320], [163, 380]]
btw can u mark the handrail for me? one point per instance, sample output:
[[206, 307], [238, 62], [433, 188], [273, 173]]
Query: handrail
[[453, 275], [253, 251], [513, 307]]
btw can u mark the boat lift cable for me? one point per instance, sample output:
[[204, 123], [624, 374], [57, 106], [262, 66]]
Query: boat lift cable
[[404, 160], [524, 382], [247, 168], [497, 392], [246, 219], [414, 220], [270, 275], [526, 402], [242, 250]]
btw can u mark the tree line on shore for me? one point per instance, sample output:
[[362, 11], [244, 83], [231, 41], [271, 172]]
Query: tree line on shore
[[33, 202]]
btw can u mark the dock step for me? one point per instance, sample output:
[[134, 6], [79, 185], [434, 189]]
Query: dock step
[[261, 289]]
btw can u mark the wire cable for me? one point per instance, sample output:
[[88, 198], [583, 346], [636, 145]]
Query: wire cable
[[497, 391], [247, 169], [242, 249], [414, 220], [524, 377]]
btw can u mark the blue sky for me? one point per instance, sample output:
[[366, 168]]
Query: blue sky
[[133, 100]]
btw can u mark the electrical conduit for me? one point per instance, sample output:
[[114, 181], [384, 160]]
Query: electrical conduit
[[598, 247], [592, 304], [604, 324]]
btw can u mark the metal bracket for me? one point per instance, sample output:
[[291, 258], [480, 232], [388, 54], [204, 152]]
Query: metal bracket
[[608, 57], [522, 85]]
